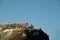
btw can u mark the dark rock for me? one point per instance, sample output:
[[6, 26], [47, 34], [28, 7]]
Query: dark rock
[[36, 34]]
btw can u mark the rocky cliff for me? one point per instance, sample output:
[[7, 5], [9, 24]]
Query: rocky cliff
[[21, 31]]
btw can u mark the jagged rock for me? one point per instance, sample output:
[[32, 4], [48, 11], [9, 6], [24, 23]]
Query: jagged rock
[[36, 34]]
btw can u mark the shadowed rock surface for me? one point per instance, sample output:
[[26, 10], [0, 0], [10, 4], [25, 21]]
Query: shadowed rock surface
[[36, 34]]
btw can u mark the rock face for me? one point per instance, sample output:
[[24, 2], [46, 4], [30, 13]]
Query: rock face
[[18, 37], [36, 34], [29, 32]]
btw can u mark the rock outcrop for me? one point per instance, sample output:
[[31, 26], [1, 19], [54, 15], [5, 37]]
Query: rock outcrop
[[23, 31]]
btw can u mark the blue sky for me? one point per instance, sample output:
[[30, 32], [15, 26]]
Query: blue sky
[[40, 13]]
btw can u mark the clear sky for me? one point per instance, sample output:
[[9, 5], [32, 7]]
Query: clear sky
[[40, 13]]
